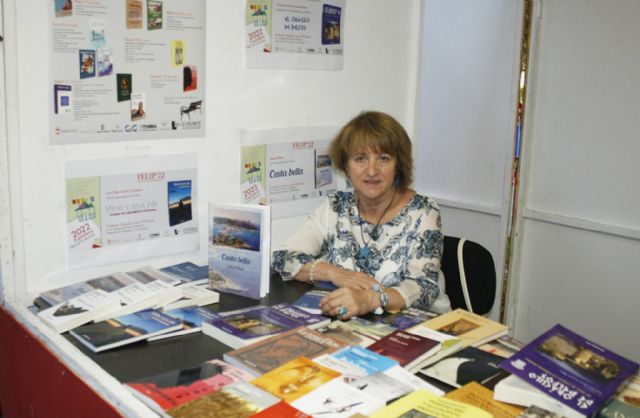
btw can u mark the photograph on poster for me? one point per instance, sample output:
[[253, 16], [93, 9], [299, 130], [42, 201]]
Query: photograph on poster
[[87, 63], [179, 201]]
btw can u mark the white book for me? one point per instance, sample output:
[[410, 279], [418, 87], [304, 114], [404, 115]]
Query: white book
[[382, 386], [336, 399], [448, 344], [166, 293], [148, 274], [193, 296], [133, 297], [79, 310], [515, 390], [240, 249], [348, 371], [400, 373]]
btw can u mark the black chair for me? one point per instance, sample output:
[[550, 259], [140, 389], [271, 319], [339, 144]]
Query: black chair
[[470, 275]]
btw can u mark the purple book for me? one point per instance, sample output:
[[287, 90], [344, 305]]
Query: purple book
[[246, 326], [571, 369]]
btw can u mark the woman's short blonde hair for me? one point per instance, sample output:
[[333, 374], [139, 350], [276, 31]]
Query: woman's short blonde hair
[[380, 132]]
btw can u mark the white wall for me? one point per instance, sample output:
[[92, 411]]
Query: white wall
[[380, 72], [579, 236], [468, 97]]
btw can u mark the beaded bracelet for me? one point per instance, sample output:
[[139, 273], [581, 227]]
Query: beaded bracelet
[[312, 270]]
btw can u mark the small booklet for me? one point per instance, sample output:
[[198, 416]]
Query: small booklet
[[240, 249], [249, 325], [79, 310], [126, 329], [193, 296]]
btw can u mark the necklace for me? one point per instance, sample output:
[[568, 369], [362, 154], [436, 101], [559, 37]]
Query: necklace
[[364, 250]]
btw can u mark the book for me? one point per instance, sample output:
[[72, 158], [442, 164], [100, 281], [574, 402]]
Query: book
[[191, 317], [464, 366], [150, 274], [250, 325], [516, 391], [422, 403], [365, 359], [281, 410], [348, 371], [238, 400], [295, 378], [448, 343], [336, 399], [475, 394], [134, 296], [162, 284], [382, 386], [535, 411], [188, 273], [175, 387], [239, 249], [79, 310], [310, 300], [406, 318], [126, 329], [504, 346], [574, 370], [266, 355], [193, 296], [403, 375], [409, 349], [374, 330], [625, 404], [472, 329], [341, 331]]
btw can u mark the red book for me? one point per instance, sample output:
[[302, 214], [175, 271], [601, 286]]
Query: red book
[[281, 410], [408, 349]]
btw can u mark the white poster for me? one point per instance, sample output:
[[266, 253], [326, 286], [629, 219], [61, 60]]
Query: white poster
[[116, 213], [127, 69], [289, 169], [294, 34]]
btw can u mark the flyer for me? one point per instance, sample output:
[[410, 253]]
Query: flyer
[[116, 214], [289, 169], [294, 34], [124, 67]]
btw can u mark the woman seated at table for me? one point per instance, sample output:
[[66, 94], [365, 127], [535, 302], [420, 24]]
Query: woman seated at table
[[379, 244]]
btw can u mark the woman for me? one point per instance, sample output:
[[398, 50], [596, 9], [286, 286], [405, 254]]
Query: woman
[[381, 244]]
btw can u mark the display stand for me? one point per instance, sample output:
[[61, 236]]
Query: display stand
[[43, 373]]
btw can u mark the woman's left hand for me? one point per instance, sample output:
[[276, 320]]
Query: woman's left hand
[[346, 302]]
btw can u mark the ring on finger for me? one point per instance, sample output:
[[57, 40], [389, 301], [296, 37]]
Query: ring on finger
[[342, 311]]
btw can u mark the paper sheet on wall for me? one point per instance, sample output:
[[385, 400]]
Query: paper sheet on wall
[[126, 70], [294, 34], [288, 169], [115, 214]]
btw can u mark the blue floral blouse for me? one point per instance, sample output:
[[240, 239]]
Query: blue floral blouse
[[403, 253]]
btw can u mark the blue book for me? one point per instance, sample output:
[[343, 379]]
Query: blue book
[[188, 272], [310, 301], [570, 368], [192, 318], [249, 325], [125, 329], [367, 360]]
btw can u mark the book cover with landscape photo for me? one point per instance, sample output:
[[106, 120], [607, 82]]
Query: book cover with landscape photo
[[570, 368], [239, 249]]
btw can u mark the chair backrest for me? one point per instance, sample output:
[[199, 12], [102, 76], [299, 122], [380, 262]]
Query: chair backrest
[[470, 275]]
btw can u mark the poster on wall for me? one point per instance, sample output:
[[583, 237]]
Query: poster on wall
[[294, 34], [288, 169], [126, 70], [117, 213]]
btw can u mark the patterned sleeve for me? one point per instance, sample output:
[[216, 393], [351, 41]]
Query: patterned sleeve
[[422, 280], [304, 245]]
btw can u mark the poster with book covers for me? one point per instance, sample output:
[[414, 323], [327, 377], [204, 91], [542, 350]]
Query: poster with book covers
[[239, 249], [288, 169], [294, 34], [123, 65], [124, 209]]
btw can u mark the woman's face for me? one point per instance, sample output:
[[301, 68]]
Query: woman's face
[[372, 173]]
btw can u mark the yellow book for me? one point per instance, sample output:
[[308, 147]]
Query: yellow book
[[475, 394], [295, 378], [424, 402], [472, 329]]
